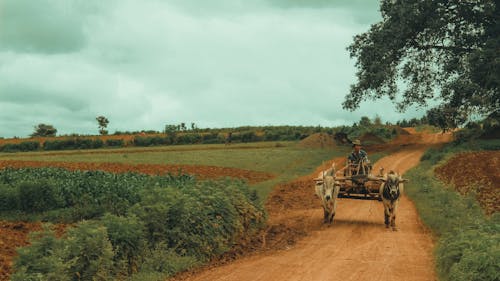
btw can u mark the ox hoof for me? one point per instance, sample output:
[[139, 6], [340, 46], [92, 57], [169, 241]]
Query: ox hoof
[[386, 226], [394, 228]]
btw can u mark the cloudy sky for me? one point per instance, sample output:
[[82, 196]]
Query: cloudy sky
[[147, 63]]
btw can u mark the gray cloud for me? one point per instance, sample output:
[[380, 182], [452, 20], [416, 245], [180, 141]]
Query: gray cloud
[[144, 64], [43, 26]]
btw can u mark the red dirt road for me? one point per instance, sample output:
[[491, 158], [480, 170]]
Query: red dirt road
[[356, 247]]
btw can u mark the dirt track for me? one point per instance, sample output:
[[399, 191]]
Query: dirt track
[[356, 247]]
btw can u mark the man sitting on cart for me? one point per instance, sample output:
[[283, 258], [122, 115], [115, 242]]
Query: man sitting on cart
[[357, 155]]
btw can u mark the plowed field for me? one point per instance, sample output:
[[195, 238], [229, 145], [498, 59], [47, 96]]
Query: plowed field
[[477, 171]]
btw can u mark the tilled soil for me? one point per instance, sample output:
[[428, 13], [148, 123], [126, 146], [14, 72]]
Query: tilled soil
[[478, 172]]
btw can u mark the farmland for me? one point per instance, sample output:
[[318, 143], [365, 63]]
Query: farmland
[[257, 199], [262, 165]]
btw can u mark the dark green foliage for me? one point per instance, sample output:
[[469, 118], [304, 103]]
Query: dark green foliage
[[23, 146], [83, 253], [103, 124], [9, 197], [43, 259], [468, 240], [89, 251], [126, 235], [161, 261], [88, 193], [151, 141], [164, 224], [203, 220], [192, 138], [115, 142], [250, 137], [448, 48], [76, 143], [38, 196], [44, 130]]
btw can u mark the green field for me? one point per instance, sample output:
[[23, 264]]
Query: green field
[[286, 160]]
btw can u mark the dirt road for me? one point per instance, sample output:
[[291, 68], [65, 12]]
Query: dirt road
[[356, 247]]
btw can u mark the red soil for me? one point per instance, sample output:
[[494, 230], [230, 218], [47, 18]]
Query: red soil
[[475, 171]]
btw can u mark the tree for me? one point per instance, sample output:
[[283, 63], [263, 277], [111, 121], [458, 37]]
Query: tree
[[444, 118], [445, 49], [365, 122], [44, 130], [103, 124]]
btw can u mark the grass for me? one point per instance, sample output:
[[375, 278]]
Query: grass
[[284, 159], [468, 241]]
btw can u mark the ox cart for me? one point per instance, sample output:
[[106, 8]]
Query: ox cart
[[358, 181]]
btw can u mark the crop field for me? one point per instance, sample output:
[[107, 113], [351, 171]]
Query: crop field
[[263, 163], [70, 194]]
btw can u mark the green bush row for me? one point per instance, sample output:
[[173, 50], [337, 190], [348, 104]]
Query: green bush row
[[67, 144], [468, 240], [172, 225], [23, 146], [76, 143]]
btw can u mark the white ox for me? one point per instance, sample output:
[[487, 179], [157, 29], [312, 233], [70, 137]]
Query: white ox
[[327, 190], [391, 191]]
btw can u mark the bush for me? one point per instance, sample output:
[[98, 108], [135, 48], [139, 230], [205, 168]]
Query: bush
[[37, 197], [42, 260], [189, 139], [88, 249], [23, 146], [9, 198], [161, 262], [174, 224], [126, 235], [115, 142], [203, 220], [150, 141], [73, 143], [29, 146]]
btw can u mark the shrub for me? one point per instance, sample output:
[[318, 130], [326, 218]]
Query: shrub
[[29, 146], [88, 249], [37, 197], [23, 146], [126, 236], [42, 260], [115, 142], [203, 220], [9, 198], [161, 262], [73, 143], [188, 139]]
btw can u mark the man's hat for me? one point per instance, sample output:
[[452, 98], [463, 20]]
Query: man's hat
[[356, 142]]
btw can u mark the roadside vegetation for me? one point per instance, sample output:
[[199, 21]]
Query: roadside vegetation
[[468, 239], [125, 227]]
